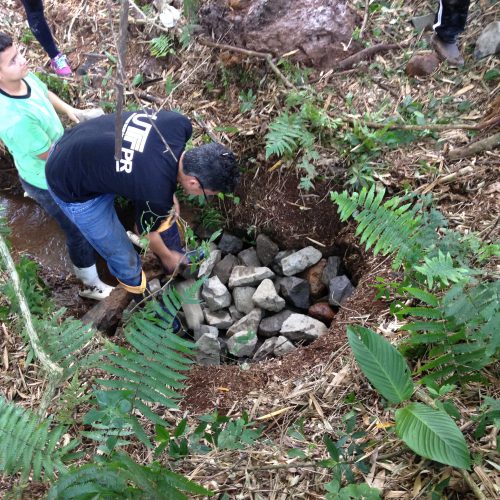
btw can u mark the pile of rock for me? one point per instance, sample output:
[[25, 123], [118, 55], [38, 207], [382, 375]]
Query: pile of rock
[[260, 302]]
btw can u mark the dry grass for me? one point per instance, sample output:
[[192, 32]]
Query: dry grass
[[316, 391]]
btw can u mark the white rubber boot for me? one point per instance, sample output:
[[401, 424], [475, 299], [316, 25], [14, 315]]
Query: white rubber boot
[[94, 287]]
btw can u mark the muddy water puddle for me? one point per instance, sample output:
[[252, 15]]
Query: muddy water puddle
[[34, 233]]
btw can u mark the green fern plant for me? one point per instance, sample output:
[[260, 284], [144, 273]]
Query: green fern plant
[[161, 46], [120, 477], [284, 135], [28, 446], [459, 331], [151, 369]]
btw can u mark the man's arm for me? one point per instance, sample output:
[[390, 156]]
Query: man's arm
[[169, 258], [63, 108]]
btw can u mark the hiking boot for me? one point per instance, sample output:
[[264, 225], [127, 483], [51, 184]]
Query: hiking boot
[[447, 51], [60, 65]]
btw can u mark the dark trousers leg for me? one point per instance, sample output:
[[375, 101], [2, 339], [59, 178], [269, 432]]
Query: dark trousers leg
[[451, 18], [39, 26]]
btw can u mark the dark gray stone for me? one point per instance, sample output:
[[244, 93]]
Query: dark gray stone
[[266, 249], [224, 267], [331, 270], [230, 243], [276, 265], [220, 319], [340, 289], [248, 257], [295, 291], [271, 326]]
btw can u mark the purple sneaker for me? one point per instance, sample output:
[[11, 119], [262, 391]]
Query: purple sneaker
[[60, 65]]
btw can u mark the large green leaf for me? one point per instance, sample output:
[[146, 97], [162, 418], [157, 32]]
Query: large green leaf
[[432, 434], [381, 363]]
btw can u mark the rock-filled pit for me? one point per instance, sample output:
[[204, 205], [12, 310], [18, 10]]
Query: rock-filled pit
[[260, 302]]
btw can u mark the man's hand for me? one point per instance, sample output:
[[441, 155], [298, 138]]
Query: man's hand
[[88, 114]]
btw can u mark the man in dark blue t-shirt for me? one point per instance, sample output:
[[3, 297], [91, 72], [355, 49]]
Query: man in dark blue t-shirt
[[84, 177]]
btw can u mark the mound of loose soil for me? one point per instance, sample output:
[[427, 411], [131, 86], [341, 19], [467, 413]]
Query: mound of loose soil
[[318, 30]]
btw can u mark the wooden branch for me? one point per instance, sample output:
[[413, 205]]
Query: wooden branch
[[52, 368], [367, 53], [120, 80], [365, 18], [472, 485], [491, 142], [252, 53]]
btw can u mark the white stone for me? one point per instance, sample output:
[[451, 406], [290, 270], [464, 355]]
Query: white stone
[[248, 276], [215, 294], [302, 327], [249, 323], [298, 261], [267, 298], [242, 343]]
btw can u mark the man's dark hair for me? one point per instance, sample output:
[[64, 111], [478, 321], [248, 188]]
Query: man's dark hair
[[5, 41], [214, 166]]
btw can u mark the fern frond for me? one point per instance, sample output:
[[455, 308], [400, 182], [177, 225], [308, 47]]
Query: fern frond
[[441, 268], [284, 135], [151, 370], [119, 475], [161, 46], [29, 446]]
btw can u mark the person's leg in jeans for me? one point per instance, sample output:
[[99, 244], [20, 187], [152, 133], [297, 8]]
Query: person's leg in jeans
[[80, 251], [41, 31], [98, 222], [449, 23]]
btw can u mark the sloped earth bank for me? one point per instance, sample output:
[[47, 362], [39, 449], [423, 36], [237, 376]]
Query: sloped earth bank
[[319, 382]]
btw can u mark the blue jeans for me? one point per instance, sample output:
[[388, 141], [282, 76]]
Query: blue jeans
[[80, 251], [97, 221]]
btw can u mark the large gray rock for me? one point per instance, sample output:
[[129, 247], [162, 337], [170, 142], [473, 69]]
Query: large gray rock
[[266, 249], [340, 289], [230, 243], [248, 257], [249, 323], [224, 267], [488, 42], [266, 349], [301, 327], [295, 291], [242, 296], [267, 298], [215, 294], [298, 261], [219, 319], [271, 326], [242, 344], [209, 263], [208, 349], [331, 270], [192, 312], [205, 329], [276, 264], [283, 346], [248, 276]]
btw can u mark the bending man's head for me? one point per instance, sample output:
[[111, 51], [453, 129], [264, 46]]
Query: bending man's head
[[211, 168]]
